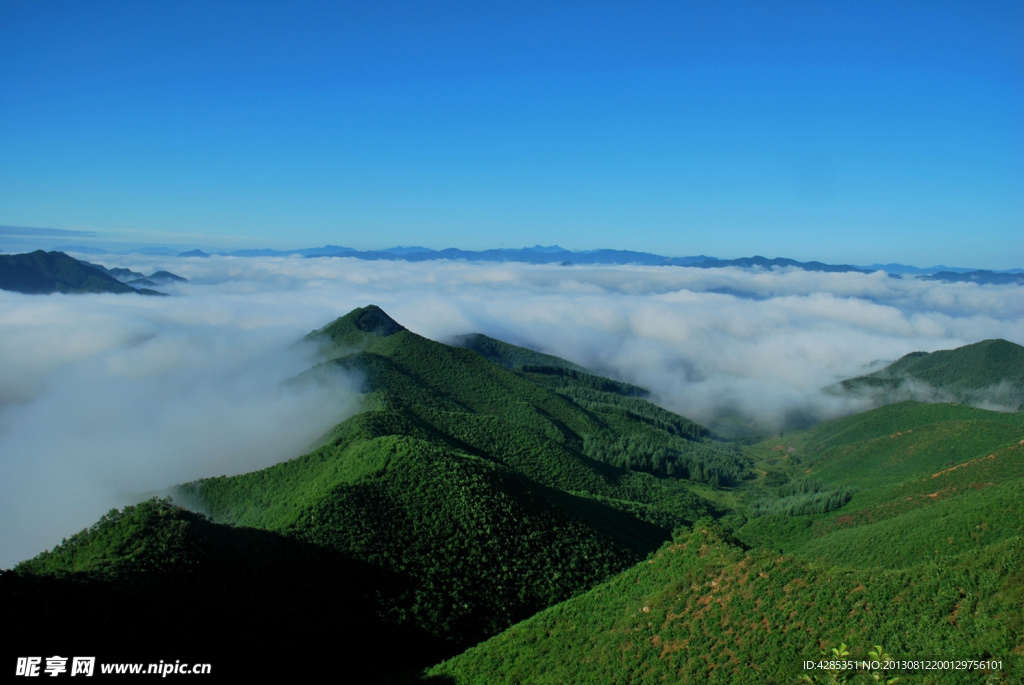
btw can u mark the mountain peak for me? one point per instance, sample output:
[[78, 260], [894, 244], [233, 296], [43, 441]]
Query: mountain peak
[[355, 327], [374, 320]]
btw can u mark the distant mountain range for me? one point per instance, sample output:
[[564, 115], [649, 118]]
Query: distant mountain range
[[538, 254], [977, 276], [553, 254], [49, 272]]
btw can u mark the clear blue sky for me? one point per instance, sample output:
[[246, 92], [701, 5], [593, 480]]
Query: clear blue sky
[[846, 132]]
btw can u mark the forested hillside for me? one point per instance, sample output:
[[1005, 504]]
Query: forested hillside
[[490, 495], [478, 494], [705, 609], [988, 374], [926, 481], [899, 527]]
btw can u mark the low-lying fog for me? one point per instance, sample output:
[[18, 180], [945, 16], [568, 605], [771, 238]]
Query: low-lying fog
[[107, 399]]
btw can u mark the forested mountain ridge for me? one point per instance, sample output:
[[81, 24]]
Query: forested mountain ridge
[[456, 458], [575, 409], [474, 494], [919, 474], [511, 356], [989, 374]]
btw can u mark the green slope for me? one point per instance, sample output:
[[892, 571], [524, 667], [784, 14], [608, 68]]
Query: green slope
[[488, 494], [928, 481], [924, 556], [988, 373], [512, 356], [706, 610]]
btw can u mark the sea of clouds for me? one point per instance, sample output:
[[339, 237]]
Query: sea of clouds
[[107, 399]]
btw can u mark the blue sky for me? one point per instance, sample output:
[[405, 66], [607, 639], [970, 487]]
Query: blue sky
[[845, 132]]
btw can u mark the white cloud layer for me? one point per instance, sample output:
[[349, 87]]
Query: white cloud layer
[[106, 398]]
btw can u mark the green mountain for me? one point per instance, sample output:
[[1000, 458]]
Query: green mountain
[[493, 495], [554, 526], [918, 473], [476, 494], [989, 373]]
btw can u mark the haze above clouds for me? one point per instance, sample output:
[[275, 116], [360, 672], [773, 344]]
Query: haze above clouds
[[107, 399]]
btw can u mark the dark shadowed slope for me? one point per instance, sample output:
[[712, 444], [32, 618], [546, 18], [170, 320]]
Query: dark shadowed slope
[[155, 582]]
